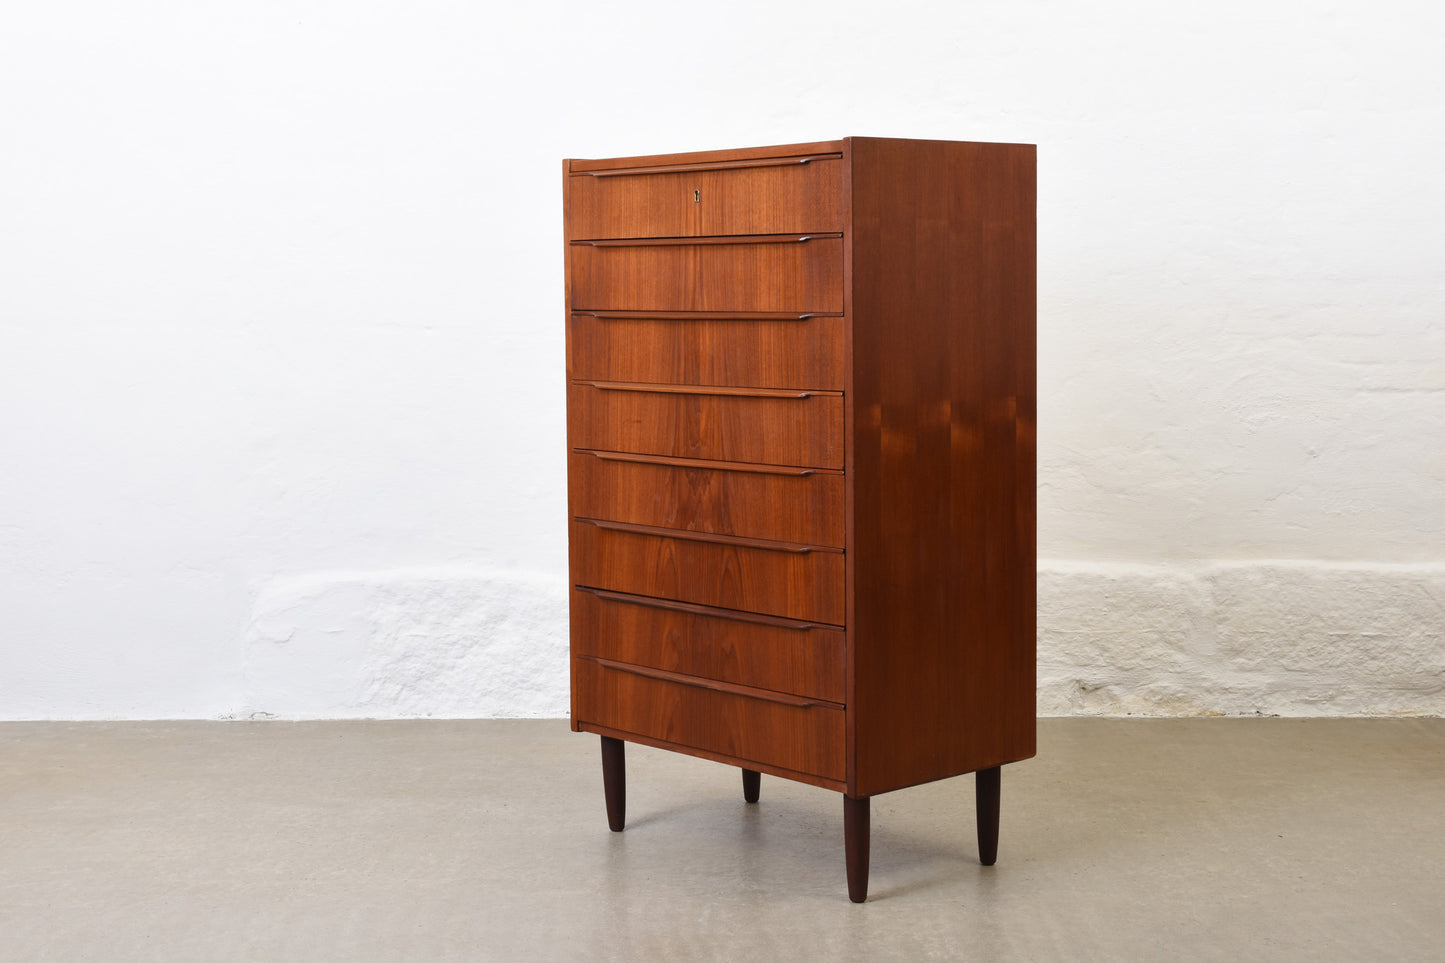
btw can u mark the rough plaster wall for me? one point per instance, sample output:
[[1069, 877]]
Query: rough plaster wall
[[1243, 638], [281, 422], [447, 642], [1225, 639]]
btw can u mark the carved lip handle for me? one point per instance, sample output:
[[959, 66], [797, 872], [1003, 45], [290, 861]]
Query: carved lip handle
[[671, 462], [702, 241], [707, 390], [691, 608], [765, 544], [704, 315], [714, 166], [732, 688]]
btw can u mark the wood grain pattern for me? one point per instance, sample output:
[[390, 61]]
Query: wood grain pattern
[[773, 276], [701, 350], [806, 586], [785, 508], [806, 740], [806, 432], [798, 196], [942, 459], [710, 642]]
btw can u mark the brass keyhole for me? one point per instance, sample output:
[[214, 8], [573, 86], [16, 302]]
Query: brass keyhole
[[697, 195]]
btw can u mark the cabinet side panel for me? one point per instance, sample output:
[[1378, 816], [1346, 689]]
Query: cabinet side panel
[[942, 444]]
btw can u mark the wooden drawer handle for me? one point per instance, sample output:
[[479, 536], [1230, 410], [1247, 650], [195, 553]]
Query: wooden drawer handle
[[764, 544], [706, 390], [702, 315], [732, 615], [700, 241], [669, 461], [715, 166], [698, 682]]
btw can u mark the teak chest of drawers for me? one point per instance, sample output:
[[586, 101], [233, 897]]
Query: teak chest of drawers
[[800, 419]]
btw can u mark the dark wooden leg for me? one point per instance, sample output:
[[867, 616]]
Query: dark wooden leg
[[855, 846], [751, 783], [614, 782], [986, 792]]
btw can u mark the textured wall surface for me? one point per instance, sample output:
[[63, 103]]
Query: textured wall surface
[[1292, 639], [1242, 638], [281, 401], [418, 643]]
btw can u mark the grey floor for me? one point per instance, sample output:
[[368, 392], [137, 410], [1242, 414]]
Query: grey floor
[[1124, 840]]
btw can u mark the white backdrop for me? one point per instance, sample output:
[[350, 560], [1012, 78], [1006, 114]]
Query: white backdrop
[[281, 421]]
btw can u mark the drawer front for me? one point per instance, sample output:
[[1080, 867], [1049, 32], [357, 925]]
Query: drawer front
[[784, 196], [777, 578], [783, 428], [801, 352], [802, 739], [801, 658], [738, 499], [786, 275]]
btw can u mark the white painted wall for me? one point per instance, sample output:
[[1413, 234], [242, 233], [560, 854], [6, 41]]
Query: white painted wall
[[281, 424]]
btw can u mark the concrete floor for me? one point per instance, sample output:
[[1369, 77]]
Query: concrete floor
[[1124, 840]]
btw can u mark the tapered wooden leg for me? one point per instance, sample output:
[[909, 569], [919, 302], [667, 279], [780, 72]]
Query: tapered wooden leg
[[855, 846], [986, 793], [614, 782], [752, 781]]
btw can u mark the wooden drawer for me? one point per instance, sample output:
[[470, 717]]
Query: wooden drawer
[[793, 350], [785, 655], [795, 734], [780, 195], [770, 578], [778, 273], [726, 498], [802, 428]]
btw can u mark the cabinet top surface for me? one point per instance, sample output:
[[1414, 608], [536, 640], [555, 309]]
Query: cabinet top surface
[[581, 166]]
